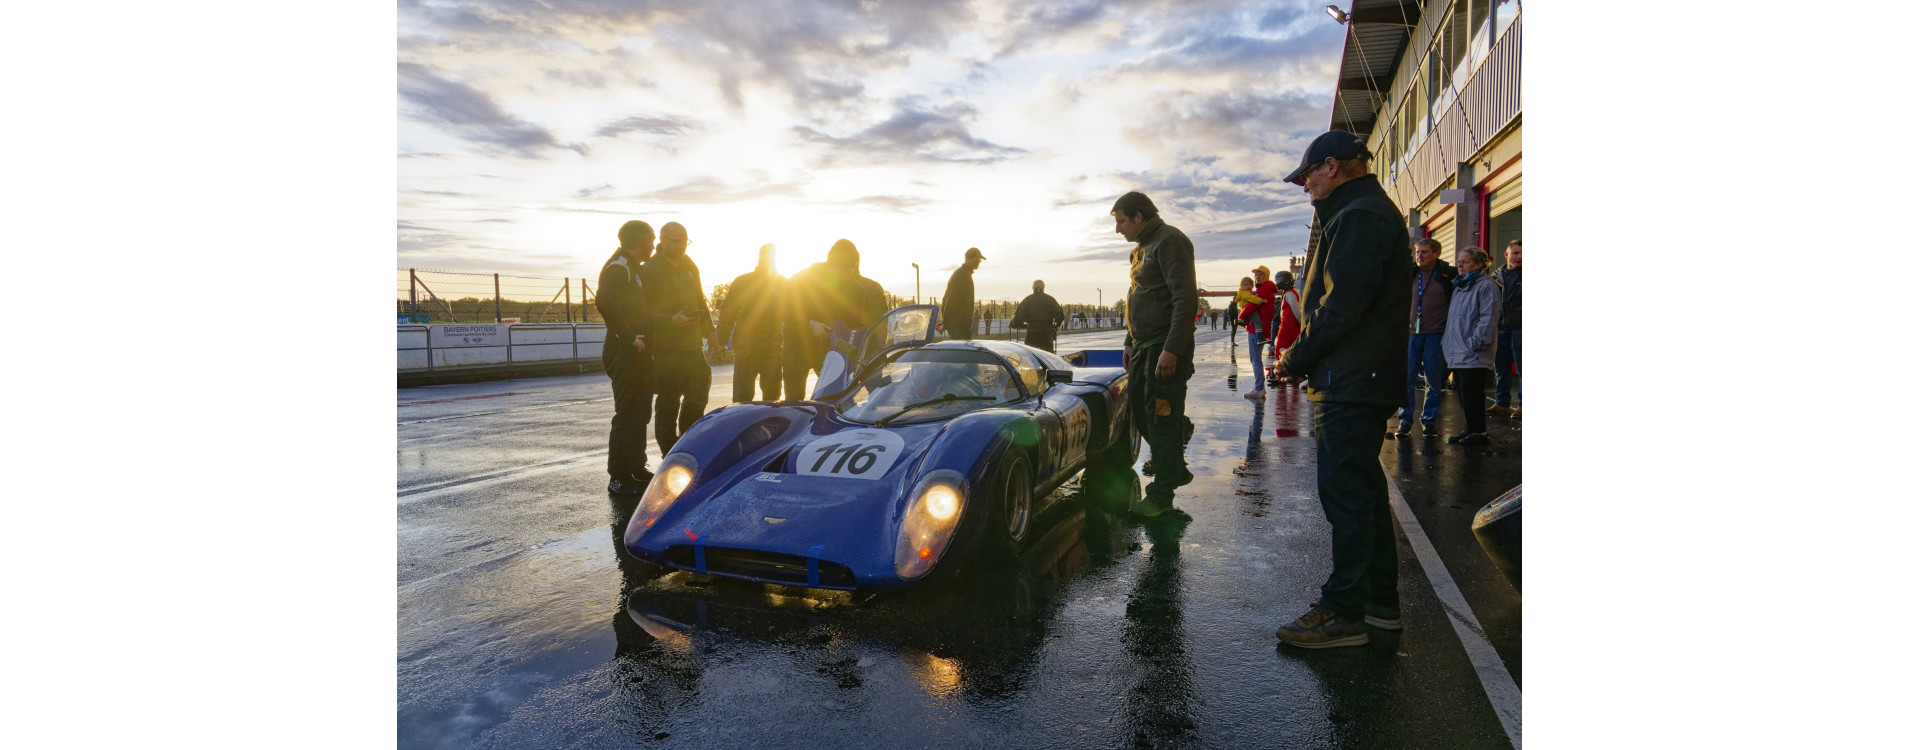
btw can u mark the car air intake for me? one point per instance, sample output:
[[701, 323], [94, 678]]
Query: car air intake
[[754, 565]]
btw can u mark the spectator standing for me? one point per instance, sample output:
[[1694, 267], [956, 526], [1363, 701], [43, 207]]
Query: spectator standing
[[1233, 314], [956, 308], [1286, 316], [822, 296], [1472, 325], [1506, 360], [1161, 299], [622, 303], [1352, 351], [750, 324], [682, 376], [1249, 319], [1267, 291], [1427, 324], [1286, 312], [1042, 316]]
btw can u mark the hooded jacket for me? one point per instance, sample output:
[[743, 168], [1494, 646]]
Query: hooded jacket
[[1353, 345], [1471, 323]]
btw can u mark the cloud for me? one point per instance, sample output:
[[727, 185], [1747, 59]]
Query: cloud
[[469, 113], [913, 133], [714, 190], [900, 203], [669, 125]]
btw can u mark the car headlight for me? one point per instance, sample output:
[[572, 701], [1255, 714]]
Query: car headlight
[[669, 483], [932, 515]]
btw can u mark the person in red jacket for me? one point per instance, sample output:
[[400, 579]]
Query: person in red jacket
[[1286, 315], [1264, 288]]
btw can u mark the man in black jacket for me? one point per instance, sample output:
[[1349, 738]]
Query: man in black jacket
[[1162, 302], [1506, 358], [750, 320], [1353, 354], [823, 295], [956, 308], [1432, 293], [1040, 313], [681, 375], [622, 302]]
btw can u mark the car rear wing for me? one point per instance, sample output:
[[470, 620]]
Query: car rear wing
[[1095, 358]]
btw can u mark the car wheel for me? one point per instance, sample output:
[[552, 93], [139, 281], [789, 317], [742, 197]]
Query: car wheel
[[1015, 492]]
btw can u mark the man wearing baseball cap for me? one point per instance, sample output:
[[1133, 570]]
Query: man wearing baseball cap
[[1352, 351], [956, 308]]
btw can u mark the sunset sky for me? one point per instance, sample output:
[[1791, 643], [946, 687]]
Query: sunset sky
[[528, 132]]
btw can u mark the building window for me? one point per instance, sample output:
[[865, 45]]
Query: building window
[[1504, 12], [1480, 21]]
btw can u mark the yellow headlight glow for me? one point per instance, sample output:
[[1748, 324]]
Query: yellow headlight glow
[[942, 502], [678, 477]]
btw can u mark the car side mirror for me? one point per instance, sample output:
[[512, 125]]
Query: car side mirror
[[1059, 376]]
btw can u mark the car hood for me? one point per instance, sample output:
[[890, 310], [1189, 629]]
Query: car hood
[[788, 498]]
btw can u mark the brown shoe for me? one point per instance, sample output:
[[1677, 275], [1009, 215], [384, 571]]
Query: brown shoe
[[1498, 410], [1516, 413], [1321, 628]]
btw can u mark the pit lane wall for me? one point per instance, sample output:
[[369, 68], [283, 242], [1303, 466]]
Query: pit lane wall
[[465, 352]]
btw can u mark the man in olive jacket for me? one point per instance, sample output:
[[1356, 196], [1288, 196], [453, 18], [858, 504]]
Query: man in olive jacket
[[681, 375], [1040, 313], [1162, 305], [1353, 354]]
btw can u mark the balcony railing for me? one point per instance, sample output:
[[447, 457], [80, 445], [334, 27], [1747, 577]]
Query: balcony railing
[[1487, 103]]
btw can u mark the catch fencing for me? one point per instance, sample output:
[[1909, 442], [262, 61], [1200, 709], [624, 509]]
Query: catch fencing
[[433, 297]]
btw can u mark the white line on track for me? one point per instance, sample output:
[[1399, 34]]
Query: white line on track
[[488, 479], [1494, 677]]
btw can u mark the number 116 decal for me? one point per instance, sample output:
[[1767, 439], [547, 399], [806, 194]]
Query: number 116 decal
[[857, 454]]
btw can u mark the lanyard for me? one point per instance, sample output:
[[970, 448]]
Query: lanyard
[[1419, 294]]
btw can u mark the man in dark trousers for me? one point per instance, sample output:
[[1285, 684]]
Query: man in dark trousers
[[1506, 358], [956, 308], [751, 319], [1162, 302], [1432, 292], [1353, 353], [1042, 316], [681, 376], [622, 302]]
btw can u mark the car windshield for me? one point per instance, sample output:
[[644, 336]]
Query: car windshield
[[924, 385]]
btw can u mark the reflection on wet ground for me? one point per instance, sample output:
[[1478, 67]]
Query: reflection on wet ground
[[1105, 633]]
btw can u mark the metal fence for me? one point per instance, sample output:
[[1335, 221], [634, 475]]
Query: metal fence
[[427, 296]]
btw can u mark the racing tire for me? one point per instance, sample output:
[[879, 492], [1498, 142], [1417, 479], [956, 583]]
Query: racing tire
[[1012, 502]]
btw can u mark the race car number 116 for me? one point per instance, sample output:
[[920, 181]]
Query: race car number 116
[[858, 454]]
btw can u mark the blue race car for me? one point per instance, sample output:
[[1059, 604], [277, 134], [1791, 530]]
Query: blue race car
[[911, 460]]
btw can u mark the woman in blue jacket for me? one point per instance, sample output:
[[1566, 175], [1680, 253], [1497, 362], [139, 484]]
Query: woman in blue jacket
[[1472, 327]]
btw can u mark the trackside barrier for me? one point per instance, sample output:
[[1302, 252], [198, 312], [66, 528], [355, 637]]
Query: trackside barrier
[[464, 346]]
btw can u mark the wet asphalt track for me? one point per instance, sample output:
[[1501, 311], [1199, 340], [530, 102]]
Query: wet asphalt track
[[516, 628]]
